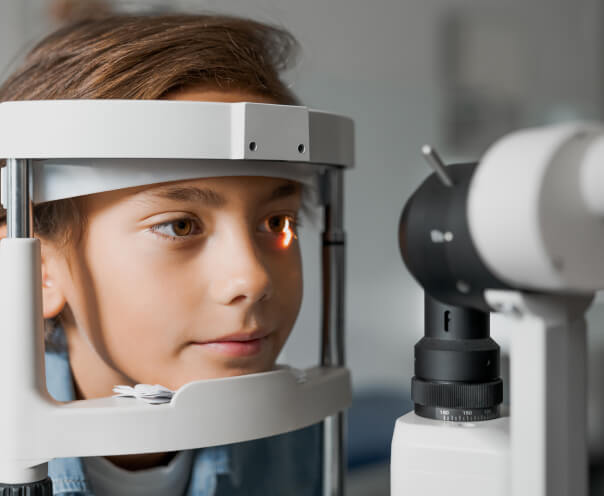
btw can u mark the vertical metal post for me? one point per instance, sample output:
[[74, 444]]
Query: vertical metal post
[[22, 328], [332, 332], [19, 206]]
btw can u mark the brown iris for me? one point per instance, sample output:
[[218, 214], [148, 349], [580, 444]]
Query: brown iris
[[182, 227]]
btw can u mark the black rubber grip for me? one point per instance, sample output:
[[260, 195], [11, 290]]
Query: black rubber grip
[[457, 395], [39, 488]]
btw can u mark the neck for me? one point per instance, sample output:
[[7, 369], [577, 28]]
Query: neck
[[141, 462]]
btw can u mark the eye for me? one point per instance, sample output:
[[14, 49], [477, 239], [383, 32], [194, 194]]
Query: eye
[[283, 225], [178, 228], [280, 224]]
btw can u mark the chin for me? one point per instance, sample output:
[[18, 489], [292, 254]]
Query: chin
[[218, 372], [233, 370]]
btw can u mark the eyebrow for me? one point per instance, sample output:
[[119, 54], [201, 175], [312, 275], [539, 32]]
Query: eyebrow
[[213, 199], [284, 191]]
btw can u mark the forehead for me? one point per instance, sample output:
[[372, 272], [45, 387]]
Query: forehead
[[221, 191]]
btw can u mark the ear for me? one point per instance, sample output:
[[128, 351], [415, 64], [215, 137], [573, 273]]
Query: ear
[[53, 297]]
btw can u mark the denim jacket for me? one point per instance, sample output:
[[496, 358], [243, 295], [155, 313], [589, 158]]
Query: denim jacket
[[288, 464]]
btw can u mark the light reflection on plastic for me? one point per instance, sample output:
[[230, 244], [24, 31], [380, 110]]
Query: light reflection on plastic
[[288, 234]]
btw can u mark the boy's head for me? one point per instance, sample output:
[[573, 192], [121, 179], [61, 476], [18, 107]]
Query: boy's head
[[178, 281]]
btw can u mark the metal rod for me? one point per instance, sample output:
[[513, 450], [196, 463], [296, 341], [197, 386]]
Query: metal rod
[[437, 165], [332, 332], [19, 206], [22, 327]]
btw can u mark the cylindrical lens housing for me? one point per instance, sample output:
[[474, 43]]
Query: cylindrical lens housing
[[456, 365]]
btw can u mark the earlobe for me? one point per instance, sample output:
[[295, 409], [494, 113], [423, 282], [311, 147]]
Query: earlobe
[[53, 299]]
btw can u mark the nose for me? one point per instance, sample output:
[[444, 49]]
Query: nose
[[240, 276]]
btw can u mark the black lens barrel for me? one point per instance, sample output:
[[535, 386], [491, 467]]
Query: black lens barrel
[[456, 365], [456, 345]]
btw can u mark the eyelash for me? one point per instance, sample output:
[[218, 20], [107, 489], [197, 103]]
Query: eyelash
[[294, 222]]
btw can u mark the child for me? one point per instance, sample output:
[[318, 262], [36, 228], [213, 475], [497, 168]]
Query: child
[[174, 282]]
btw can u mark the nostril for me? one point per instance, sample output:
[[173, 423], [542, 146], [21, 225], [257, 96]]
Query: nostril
[[238, 299]]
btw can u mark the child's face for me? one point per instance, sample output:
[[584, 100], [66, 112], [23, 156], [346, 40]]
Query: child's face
[[179, 281]]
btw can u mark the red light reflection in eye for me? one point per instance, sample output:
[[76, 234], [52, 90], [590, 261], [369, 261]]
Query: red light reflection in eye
[[288, 234]]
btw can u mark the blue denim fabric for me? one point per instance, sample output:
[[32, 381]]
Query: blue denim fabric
[[288, 464]]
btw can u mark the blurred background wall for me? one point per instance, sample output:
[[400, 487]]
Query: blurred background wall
[[453, 73]]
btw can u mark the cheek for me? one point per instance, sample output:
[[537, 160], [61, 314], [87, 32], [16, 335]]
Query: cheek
[[144, 300], [288, 284]]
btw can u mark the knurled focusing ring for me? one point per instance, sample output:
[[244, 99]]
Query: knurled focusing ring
[[39, 488], [456, 401]]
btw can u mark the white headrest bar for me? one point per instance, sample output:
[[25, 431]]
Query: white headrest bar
[[58, 179], [51, 129]]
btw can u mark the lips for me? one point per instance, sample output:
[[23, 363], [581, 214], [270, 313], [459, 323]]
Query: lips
[[242, 336], [241, 343]]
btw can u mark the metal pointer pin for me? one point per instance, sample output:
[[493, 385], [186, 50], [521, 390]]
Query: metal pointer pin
[[437, 165]]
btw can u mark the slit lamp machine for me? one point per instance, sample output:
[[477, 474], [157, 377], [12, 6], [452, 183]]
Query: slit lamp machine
[[520, 233]]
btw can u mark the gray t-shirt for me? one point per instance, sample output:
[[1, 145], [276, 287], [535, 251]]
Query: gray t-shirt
[[108, 479]]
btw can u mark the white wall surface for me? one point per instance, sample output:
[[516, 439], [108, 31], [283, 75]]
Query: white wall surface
[[381, 62]]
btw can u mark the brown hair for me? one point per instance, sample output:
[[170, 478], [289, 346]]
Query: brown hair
[[147, 57]]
